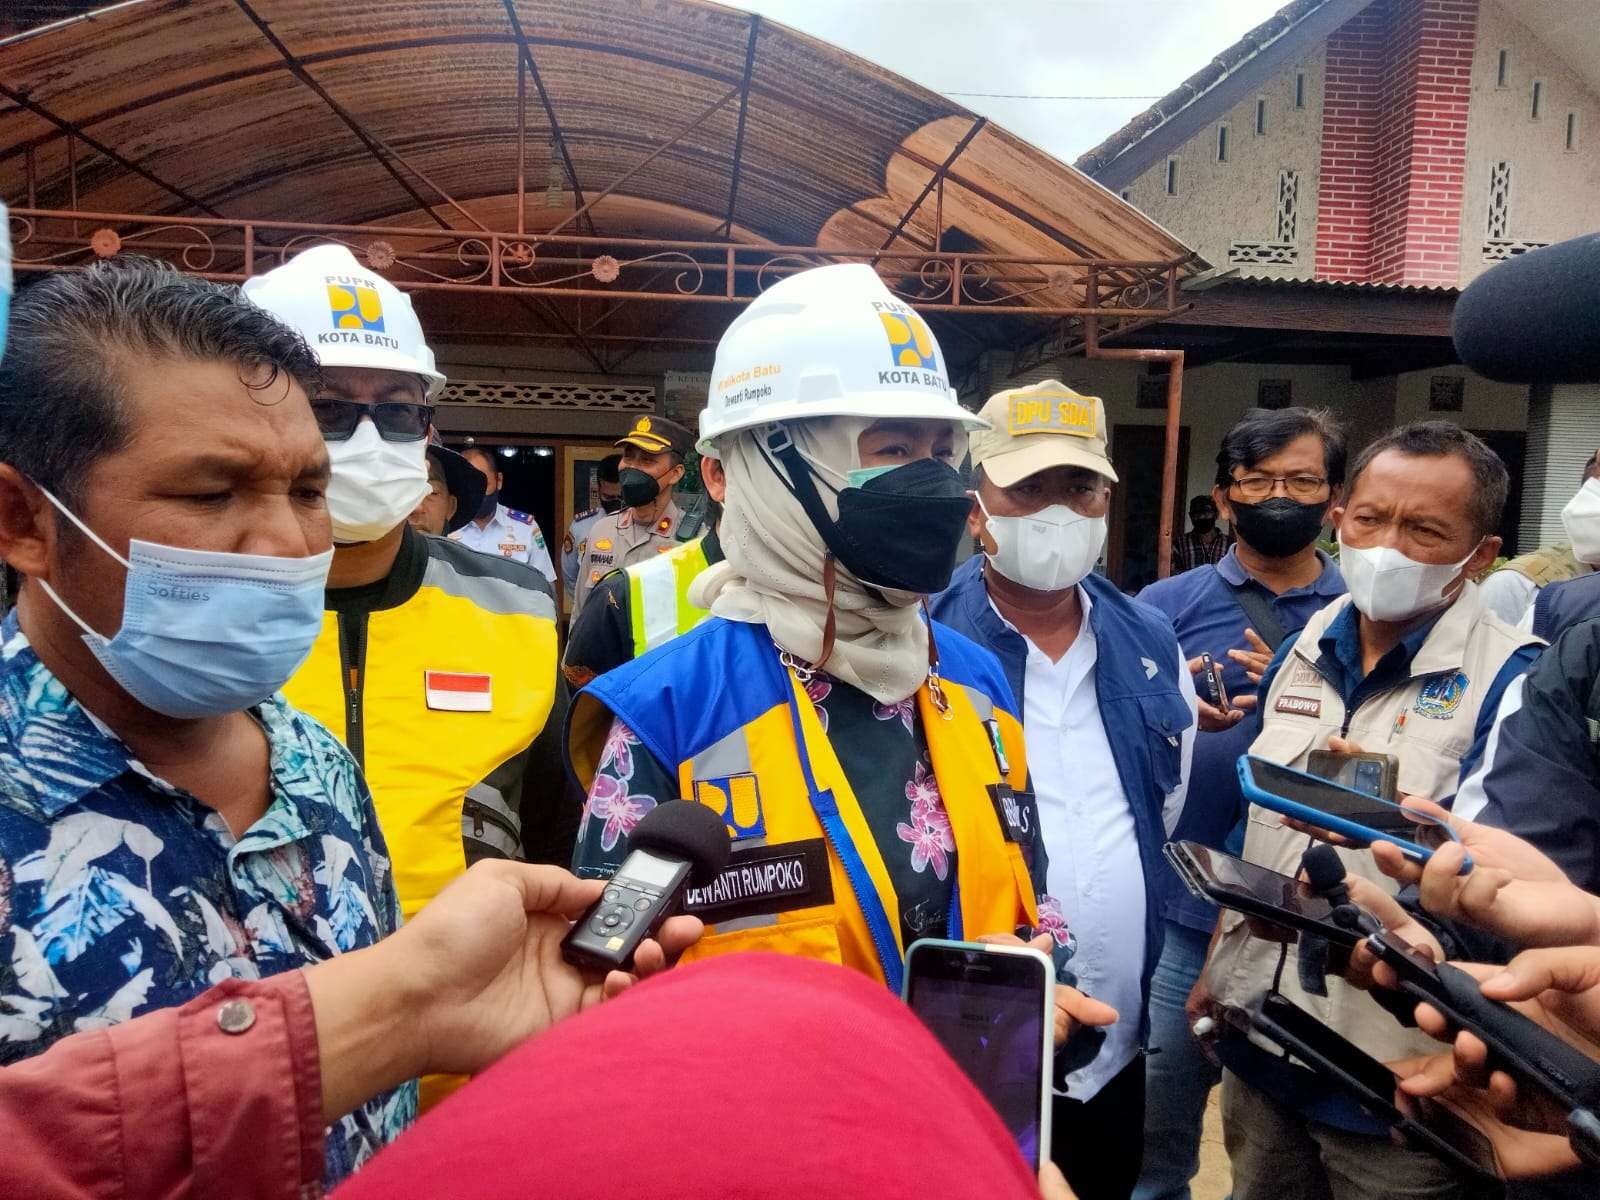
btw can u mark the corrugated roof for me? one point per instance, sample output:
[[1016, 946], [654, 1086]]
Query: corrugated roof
[[1336, 285], [289, 109]]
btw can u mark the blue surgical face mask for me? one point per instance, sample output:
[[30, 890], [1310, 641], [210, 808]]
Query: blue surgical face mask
[[205, 632]]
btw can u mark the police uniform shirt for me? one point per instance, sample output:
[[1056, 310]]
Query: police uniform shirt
[[617, 540], [510, 534], [575, 545]]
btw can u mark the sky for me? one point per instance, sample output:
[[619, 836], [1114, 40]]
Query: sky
[[1137, 49]]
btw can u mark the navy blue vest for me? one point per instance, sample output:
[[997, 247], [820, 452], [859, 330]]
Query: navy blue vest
[[1144, 713], [1559, 606]]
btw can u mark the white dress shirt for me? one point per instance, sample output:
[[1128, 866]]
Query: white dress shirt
[[519, 540], [1096, 874]]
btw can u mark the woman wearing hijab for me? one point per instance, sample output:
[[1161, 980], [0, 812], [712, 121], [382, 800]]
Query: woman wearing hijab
[[867, 762]]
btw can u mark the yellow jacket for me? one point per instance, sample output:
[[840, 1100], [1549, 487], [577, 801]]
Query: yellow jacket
[[438, 684]]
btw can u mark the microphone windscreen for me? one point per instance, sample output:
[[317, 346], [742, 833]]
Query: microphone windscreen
[[688, 830], [1323, 868], [1534, 318]]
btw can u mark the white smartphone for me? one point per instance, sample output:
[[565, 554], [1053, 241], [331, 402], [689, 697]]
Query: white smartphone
[[993, 1010]]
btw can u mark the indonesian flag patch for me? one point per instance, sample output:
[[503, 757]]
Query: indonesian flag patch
[[453, 691]]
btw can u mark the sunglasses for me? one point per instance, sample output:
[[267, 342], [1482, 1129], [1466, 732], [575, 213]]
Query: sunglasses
[[397, 421]]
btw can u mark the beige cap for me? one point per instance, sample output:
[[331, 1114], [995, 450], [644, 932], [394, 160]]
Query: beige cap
[[1032, 429]]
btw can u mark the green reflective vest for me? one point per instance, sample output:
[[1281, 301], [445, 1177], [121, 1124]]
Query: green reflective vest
[[658, 596]]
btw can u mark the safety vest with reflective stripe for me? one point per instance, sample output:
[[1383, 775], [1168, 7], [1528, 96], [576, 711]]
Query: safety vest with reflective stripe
[[717, 708], [658, 596]]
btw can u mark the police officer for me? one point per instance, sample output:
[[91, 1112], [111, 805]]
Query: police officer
[[651, 522], [638, 608], [496, 529], [578, 531]]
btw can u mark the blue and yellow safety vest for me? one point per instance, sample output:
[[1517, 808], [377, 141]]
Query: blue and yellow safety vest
[[717, 707]]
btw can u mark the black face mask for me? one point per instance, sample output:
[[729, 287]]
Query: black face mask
[[1278, 527], [638, 487], [1203, 524], [490, 501], [899, 530], [611, 504]]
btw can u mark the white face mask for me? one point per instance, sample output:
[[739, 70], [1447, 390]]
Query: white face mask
[[375, 484], [1386, 585], [1581, 519], [1050, 550]]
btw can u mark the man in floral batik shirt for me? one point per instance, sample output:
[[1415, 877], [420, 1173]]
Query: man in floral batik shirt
[[166, 820]]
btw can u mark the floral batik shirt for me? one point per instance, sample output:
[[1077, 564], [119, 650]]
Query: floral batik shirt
[[120, 894], [884, 754]]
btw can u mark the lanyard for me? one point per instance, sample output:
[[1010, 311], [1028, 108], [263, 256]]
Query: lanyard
[[826, 809]]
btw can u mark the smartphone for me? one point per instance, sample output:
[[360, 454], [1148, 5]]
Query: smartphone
[[1212, 673], [1426, 1125], [993, 1010], [1233, 883], [1353, 815], [1522, 1048], [1375, 774]]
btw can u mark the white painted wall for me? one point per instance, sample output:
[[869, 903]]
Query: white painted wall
[[1220, 203], [1555, 194]]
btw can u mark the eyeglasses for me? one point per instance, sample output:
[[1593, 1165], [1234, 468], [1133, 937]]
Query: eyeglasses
[[397, 421], [1299, 487]]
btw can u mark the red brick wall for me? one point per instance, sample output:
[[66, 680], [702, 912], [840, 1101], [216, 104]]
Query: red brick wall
[[1394, 142]]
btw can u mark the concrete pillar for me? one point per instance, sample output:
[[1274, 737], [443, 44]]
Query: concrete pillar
[[1563, 431]]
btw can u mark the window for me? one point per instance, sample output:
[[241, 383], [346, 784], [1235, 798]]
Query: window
[[1572, 131], [1502, 69], [1222, 143], [1261, 116], [1446, 393], [1288, 205], [1300, 89], [1499, 223], [1274, 393], [1152, 392], [1538, 98], [1172, 177]]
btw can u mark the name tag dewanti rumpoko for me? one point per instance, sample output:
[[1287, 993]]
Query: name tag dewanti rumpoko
[[761, 881], [455, 691]]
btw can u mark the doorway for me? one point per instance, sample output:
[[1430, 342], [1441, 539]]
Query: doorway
[[1136, 452]]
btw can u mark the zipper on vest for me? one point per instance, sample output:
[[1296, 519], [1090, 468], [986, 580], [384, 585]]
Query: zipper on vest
[[352, 667]]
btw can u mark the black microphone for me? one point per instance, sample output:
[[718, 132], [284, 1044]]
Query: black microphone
[[1532, 319], [675, 844], [1326, 874]]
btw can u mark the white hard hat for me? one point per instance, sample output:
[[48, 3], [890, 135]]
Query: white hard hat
[[828, 342], [350, 315]]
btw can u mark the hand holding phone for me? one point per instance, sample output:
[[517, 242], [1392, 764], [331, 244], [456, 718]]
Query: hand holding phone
[[1353, 816], [992, 1007], [1335, 1058], [1533, 1055]]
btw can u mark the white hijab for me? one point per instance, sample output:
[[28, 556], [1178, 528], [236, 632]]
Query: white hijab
[[773, 574]]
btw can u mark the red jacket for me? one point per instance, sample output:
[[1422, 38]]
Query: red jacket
[[221, 1097]]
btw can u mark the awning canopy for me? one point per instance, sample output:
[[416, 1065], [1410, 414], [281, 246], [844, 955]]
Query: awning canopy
[[640, 133]]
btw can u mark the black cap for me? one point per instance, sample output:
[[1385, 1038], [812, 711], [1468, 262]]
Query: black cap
[[656, 434], [465, 482]]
